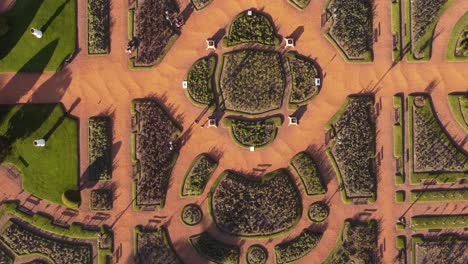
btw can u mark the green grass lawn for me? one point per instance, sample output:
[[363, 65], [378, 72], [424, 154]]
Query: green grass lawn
[[458, 103], [439, 221], [455, 37], [47, 171], [400, 196], [21, 51], [396, 24], [439, 195]]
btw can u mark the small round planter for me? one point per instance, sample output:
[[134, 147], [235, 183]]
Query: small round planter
[[318, 212], [191, 215], [419, 101], [256, 254]]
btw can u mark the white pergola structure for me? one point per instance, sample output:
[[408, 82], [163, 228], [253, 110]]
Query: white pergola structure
[[293, 121], [210, 44], [289, 42], [212, 122], [184, 84]]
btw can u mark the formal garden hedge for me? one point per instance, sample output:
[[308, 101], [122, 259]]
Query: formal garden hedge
[[154, 246], [200, 79], [257, 133], [98, 27], [398, 138], [256, 254], [71, 199], [5, 258], [215, 250], [255, 208], [307, 170], [254, 28], [155, 34], [396, 31], [152, 152], [198, 174], [4, 27], [101, 200], [458, 103], [252, 81], [353, 146], [439, 195], [458, 43], [299, 4], [439, 221], [357, 243], [433, 154], [351, 28], [191, 215], [401, 247], [200, 4], [297, 247], [400, 196], [318, 212], [303, 73], [446, 248], [100, 148]]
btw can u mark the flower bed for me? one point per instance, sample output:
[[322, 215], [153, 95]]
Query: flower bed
[[256, 254], [300, 4], [303, 73], [305, 167], [191, 214], [98, 27], [256, 133], [100, 148], [439, 221], [200, 4], [153, 30], [200, 80], [198, 174], [254, 28], [101, 200], [5, 258], [440, 249], [458, 103], [214, 250], [318, 212], [439, 195], [153, 153], [252, 81], [154, 246], [297, 247], [259, 208]]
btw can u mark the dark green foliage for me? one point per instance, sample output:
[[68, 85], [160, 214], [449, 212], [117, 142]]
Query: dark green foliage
[[352, 25], [301, 4], [256, 28], [423, 14], [101, 200], [252, 81], [3, 26], [303, 74], [100, 148], [191, 214], [154, 246], [198, 174], [5, 258], [248, 207], [214, 250], [98, 26], [462, 44], [318, 212], [200, 4], [297, 248], [307, 170], [5, 148], [200, 79], [441, 249], [354, 147], [256, 254], [439, 221], [358, 245], [255, 133], [24, 240], [71, 198]]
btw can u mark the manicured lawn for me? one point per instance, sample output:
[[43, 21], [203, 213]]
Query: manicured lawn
[[458, 103], [439, 195], [400, 196], [47, 171], [455, 37], [21, 51], [396, 25], [439, 221], [398, 139]]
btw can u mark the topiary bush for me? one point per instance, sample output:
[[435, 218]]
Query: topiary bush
[[318, 212], [71, 198], [298, 247], [191, 214], [4, 28], [200, 79], [256, 254]]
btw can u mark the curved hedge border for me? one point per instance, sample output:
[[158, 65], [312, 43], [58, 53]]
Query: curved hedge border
[[201, 4], [306, 168], [419, 222], [297, 247], [191, 215], [200, 79], [164, 250], [299, 4], [198, 174], [233, 124], [456, 36], [256, 254], [458, 103], [303, 72], [318, 212], [215, 250]]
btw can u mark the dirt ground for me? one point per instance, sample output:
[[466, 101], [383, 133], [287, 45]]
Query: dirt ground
[[105, 84]]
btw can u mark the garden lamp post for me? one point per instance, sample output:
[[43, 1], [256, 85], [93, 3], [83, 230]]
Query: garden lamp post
[[37, 33]]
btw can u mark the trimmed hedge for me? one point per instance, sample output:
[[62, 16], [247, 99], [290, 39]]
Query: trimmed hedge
[[256, 254], [400, 196], [303, 73], [71, 199], [98, 27], [215, 250], [439, 221], [439, 195], [257, 133], [191, 214], [318, 212], [100, 148], [154, 246], [101, 200], [306, 168], [198, 174], [398, 138], [297, 247], [457, 49], [200, 81], [458, 103]]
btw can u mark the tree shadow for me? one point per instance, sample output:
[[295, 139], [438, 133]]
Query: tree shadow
[[218, 36], [54, 16], [297, 33], [319, 156]]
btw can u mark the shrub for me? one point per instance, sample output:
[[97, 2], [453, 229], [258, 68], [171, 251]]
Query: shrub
[[401, 242], [154, 246], [101, 200], [301, 4], [257, 28], [252, 81], [318, 212], [256, 133], [256, 254], [71, 198], [303, 74], [423, 14], [214, 250], [200, 79], [198, 174], [439, 195], [306, 168], [98, 26], [440, 249], [248, 207], [439, 221], [191, 214], [298, 247], [5, 258], [400, 196], [200, 4], [100, 148], [400, 226], [4, 28]]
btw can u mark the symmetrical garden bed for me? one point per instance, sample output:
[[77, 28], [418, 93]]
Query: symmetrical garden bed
[[433, 154], [303, 74], [101, 200], [439, 221], [252, 81], [200, 4], [198, 174], [153, 152], [458, 43], [458, 103], [297, 247], [5, 258], [154, 246], [441, 249], [439, 195], [100, 148], [256, 254], [191, 214], [398, 139], [214, 250], [306, 168], [253, 28], [154, 32], [353, 146], [200, 81], [299, 4], [357, 243], [318, 212], [253, 133], [98, 27], [252, 207]]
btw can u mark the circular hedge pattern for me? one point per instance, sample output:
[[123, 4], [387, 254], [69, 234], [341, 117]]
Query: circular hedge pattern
[[191, 214], [256, 254], [318, 212]]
